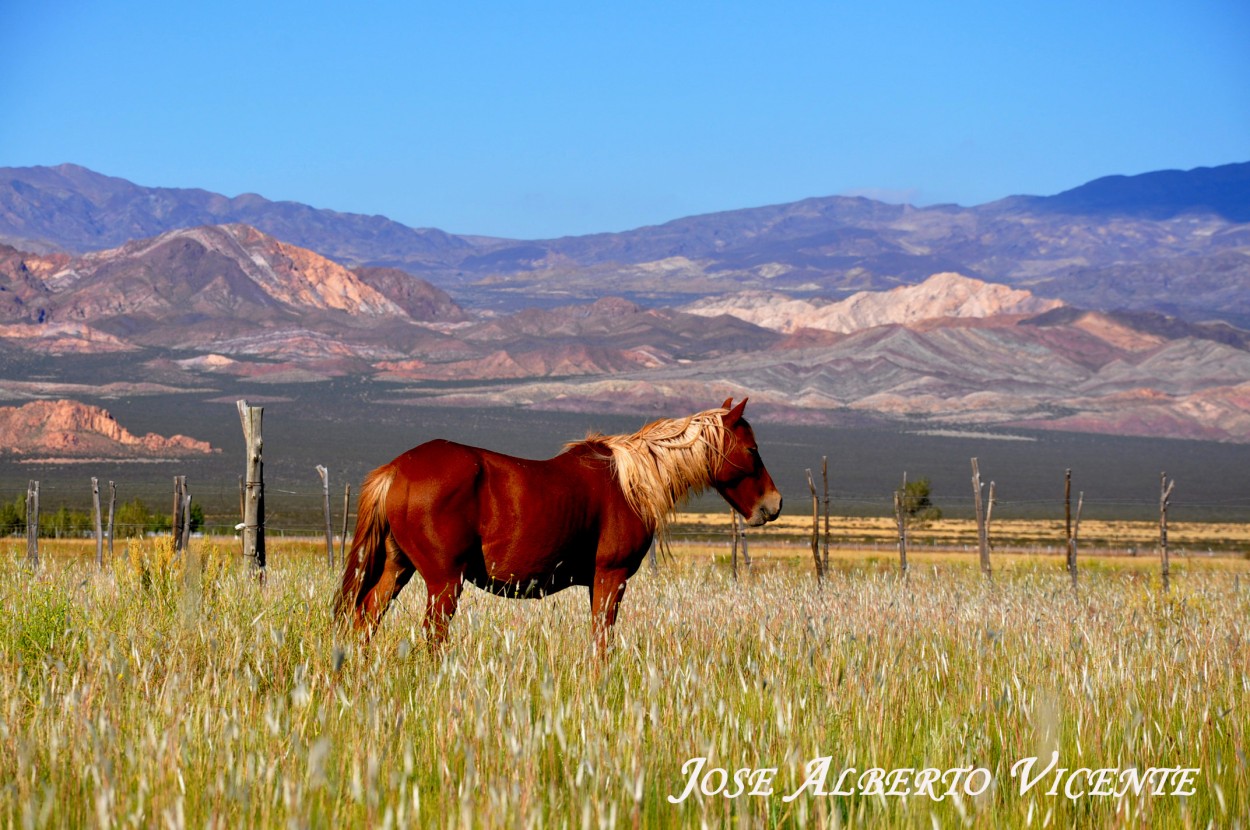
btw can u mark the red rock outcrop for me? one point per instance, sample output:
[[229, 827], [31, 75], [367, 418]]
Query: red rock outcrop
[[70, 428]]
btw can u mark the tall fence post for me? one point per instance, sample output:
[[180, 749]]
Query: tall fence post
[[733, 542], [99, 525], [983, 533], [347, 505], [254, 488], [1165, 499], [182, 515], [112, 513], [824, 472], [1074, 529], [1076, 532], [242, 504], [324, 473], [820, 569], [179, 512], [32, 524], [741, 527], [184, 540], [900, 518]]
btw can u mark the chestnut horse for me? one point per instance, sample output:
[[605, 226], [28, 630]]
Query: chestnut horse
[[523, 528]]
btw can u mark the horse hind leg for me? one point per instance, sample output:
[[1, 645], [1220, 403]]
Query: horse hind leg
[[396, 571]]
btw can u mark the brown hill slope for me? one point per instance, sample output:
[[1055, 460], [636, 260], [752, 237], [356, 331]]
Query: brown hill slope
[[193, 287]]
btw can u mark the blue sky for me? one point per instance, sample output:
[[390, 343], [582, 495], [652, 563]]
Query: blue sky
[[545, 119]]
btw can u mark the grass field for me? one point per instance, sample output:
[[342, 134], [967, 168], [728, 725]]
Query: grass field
[[137, 696]]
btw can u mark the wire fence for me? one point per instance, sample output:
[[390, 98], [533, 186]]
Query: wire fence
[[65, 511]]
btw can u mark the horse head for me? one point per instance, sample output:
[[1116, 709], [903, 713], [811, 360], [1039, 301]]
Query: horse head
[[741, 477]]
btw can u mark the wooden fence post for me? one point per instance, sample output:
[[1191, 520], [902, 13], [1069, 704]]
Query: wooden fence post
[[1165, 498], [824, 472], [1073, 529], [99, 527], [900, 517], [983, 534], [179, 511], [242, 508], [733, 542], [742, 540], [1067, 522], [325, 505], [185, 539], [347, 504], [254, 488], [32, 524], [112, 512], [820, 570], [1076, 532]]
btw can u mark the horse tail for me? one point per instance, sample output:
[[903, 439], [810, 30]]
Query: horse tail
[[368, 554]]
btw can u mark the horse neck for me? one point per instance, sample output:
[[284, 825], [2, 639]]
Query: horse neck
[[658, 467]]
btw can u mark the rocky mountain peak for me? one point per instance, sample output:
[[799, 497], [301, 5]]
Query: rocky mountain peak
[[210, 269]]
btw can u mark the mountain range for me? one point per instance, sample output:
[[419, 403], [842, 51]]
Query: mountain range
[[1169, 241], [1113, 307]]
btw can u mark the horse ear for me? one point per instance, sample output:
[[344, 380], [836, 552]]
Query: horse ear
[[735, 415], [728, 404]]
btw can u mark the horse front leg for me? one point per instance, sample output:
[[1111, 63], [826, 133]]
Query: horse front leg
[[605, 597]]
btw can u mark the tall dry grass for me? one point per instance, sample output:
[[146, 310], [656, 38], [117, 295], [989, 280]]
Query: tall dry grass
[[139, 697]]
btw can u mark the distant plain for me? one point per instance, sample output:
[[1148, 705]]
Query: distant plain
[[351, 427]]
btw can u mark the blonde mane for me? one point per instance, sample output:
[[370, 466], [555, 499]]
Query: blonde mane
[[661, 464]]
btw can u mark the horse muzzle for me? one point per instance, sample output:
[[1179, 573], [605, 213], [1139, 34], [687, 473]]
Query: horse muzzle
[[766, 510]]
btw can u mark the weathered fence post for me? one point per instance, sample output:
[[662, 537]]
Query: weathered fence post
[[1073, 529], [176, 524], [254, 488], [742, 540], [983, 535], [242, 506], [324, 473], [900, 517], [1165, 498], [820, 570], [733, 542], [112, 512], [989, 515], [824, 472], [99, 528], [185, 539], [1067, 522], [32, 523], [1076, 532], [347, 505], [180, 496]]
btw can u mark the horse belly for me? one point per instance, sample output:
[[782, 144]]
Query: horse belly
[[534, 588], [532, 564]]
